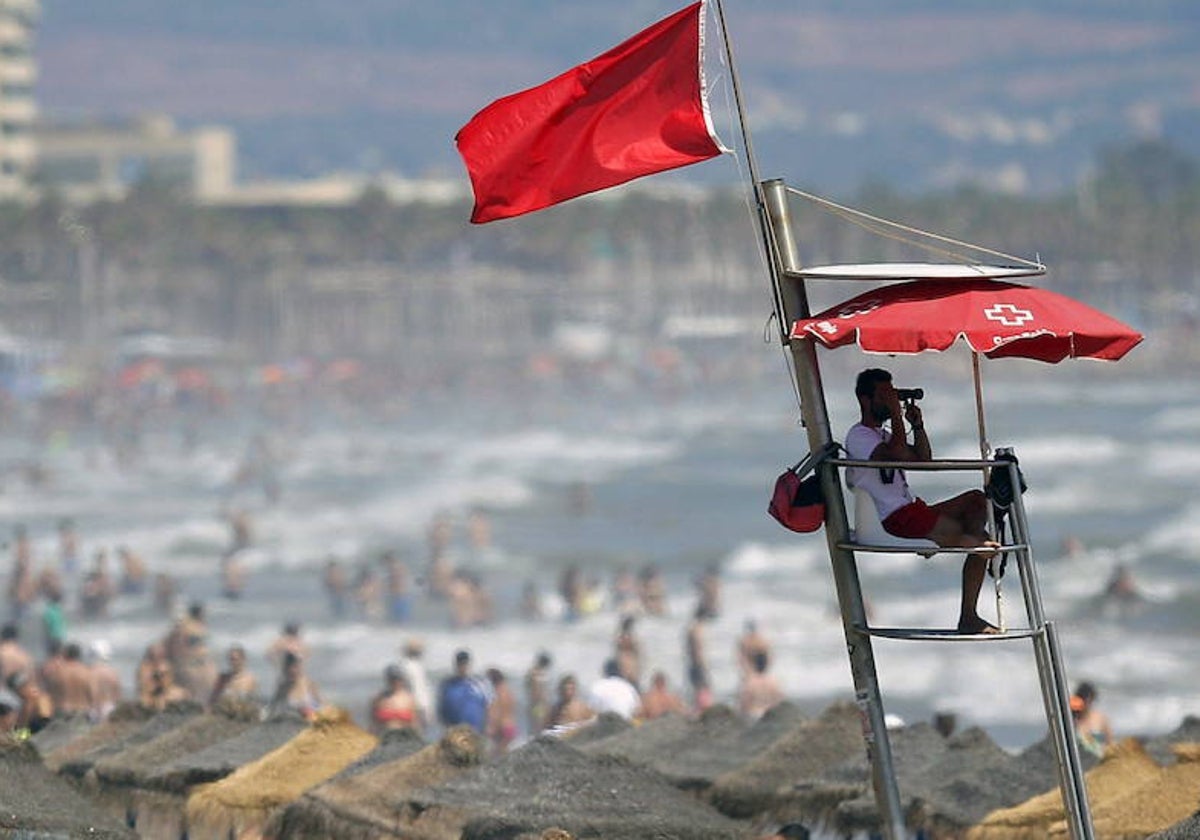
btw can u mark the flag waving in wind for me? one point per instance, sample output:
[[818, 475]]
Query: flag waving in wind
[[637, 109]]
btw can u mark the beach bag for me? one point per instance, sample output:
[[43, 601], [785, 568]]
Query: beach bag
[[798, 503], [999, 487], [1001, 492]]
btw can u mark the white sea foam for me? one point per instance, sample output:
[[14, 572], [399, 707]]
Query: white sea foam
[[350, 492], [1176, 418]]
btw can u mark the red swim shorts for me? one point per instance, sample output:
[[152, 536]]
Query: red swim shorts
[[914, 521]]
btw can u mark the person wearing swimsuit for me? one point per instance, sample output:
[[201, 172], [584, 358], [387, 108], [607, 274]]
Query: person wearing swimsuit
[[395, 707]]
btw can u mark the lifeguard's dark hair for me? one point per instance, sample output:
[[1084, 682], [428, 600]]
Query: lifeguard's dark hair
[[864, 386]]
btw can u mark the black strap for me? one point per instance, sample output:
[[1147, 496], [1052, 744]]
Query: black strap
[[814, 459]]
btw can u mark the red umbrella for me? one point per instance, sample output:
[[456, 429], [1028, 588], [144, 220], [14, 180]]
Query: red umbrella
[[995, 318]]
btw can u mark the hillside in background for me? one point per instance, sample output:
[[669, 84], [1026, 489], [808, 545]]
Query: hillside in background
[[1017, 96]]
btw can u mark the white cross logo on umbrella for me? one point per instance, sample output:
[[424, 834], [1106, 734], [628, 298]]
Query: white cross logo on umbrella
[[861, 307], [1008, 314]]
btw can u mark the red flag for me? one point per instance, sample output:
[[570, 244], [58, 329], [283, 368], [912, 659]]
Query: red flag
[[635, 110]]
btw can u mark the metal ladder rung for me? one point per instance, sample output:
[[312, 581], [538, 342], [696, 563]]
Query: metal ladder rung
[[949, 635], [909, 549]]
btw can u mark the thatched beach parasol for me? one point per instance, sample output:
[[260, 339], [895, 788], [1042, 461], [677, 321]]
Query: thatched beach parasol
[[122, 780], [548, 784], [798, 756], [840, 795], [1125, 766], [971, 778], [60, 732], [602, 726], [1189, 829], [125, 719], [36, 803], [1040, 760], [1159, 803], [393, 745], [214, 763], [373, 802], [145, 730], [1161, 748], [693, 753], [243, 801]]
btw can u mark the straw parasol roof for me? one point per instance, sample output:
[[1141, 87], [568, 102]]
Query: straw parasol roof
[[549, 784], [126, 718], [137, 763], [841, 794], [692, 754], [1040, 760], [146, 730], [972, 777], [121, 780], [36, 803], [795, 758], [372, 802], [1124, 767], [219, 760], [60, 732], [244, 800], [394, 745], [1189, 829], [1159, 803], [1161, 747], [602, 726], [778, 721]]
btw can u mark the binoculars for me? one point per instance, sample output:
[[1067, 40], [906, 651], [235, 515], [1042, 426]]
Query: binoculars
[[910, 394]]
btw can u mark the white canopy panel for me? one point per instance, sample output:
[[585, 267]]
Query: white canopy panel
[[917, 271]]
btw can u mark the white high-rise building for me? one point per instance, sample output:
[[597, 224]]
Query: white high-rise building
[[18, 71]]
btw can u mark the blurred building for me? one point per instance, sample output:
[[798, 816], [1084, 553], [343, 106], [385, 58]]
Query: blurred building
[[342, 190], [18, 71], [103, 159]]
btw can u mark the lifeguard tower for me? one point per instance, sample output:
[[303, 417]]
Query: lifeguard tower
[[801, 332]]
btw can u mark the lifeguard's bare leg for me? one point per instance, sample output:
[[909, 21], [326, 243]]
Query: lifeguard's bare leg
[[962, 524]]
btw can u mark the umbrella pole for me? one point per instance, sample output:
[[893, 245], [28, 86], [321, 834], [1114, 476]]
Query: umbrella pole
[[985, 449], [985, 452]]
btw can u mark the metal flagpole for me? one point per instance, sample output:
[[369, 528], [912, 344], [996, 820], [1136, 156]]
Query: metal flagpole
[[791, 302], [751, 165], [777, 292]]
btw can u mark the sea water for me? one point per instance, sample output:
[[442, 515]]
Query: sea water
[[678, 478]]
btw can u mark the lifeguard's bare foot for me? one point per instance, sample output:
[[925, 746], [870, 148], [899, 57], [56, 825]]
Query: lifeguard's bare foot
[[977, 627]]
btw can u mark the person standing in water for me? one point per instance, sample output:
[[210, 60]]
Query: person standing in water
[[697, 662], [659, 700], [395, 707], [463, 697], [105, 679], [569, 708], [295, 691], [502, 713], [187, 650], [1092, 727], [537, 693], [412, 662], [236, 682]]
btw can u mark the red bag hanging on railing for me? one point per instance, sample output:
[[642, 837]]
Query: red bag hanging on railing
[[798, 503]]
